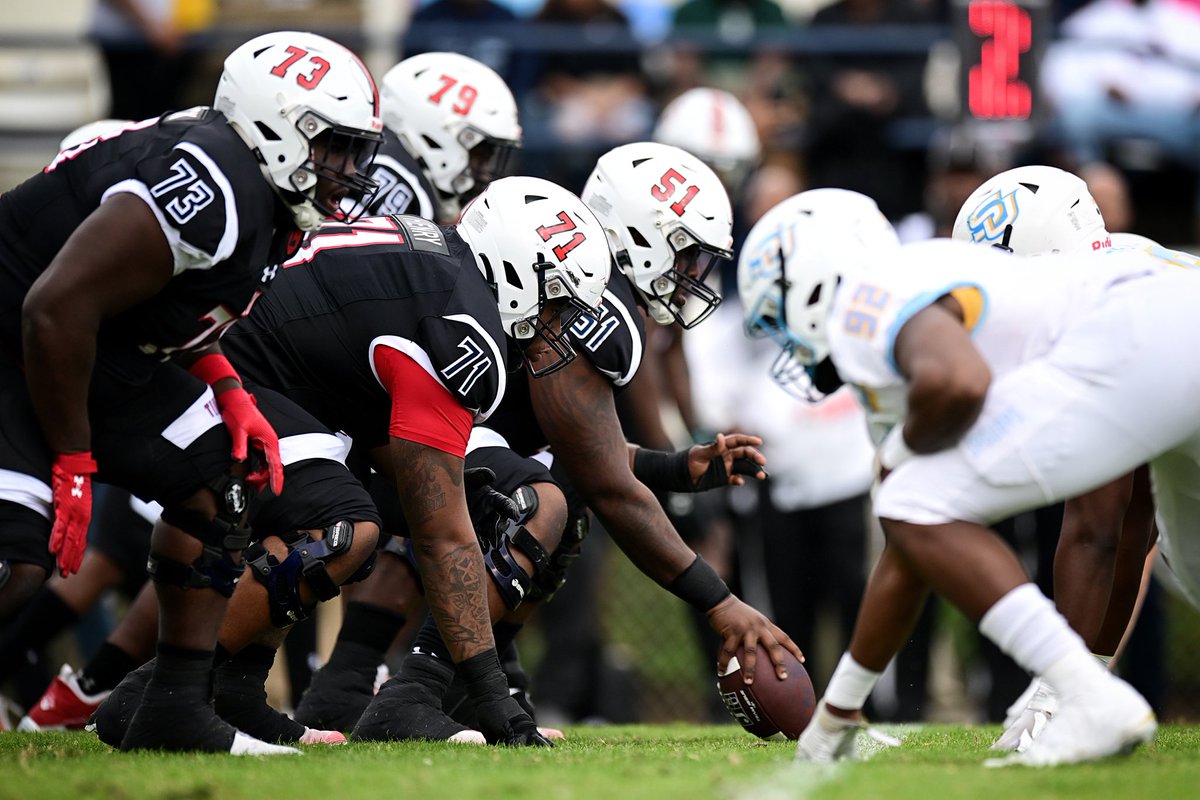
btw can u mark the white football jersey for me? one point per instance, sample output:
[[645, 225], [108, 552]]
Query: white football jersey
[[1015, 309]]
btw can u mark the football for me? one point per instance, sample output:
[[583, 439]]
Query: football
[[768, 708]]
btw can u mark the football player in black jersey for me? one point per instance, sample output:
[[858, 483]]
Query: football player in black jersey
[[450, 128], [668, 221], [134, 251], [398, 332]]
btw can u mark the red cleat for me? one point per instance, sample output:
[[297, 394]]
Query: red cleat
[[63, 706]]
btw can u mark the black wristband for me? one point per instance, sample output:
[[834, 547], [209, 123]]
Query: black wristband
[[664, 472], [699, 585], [483, 676]]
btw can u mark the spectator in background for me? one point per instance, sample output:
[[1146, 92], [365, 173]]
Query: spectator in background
[[855, 98], [590, 99], [454, 26], [144, 44], [1127, 69]]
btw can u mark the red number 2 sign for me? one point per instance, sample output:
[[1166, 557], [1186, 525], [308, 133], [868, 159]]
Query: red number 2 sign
[[994, 87], [309, 81], [667, 184], [466, 95], [565, 224]]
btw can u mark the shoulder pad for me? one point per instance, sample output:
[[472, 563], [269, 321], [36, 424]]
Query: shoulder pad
[[614, 341]]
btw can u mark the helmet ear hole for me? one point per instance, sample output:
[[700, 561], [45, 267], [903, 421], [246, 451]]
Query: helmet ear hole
[[637, 237], [510, 275], [815, 297], [267, 133]]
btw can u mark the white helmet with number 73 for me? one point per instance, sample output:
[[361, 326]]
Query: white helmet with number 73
[[284, 91], [669, 223], [539, 248], [790, 266], [457, 117]]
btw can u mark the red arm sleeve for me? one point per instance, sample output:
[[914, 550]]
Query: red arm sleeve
[[422, 410]]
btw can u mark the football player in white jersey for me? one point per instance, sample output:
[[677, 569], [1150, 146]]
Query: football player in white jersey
[[1019, 383], [1107, 532]]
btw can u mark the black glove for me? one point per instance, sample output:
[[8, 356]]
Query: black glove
[[488, 507], [500, 717]]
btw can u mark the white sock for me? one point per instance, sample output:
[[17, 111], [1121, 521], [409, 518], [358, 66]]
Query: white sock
[[850, 685], [1026, 626]]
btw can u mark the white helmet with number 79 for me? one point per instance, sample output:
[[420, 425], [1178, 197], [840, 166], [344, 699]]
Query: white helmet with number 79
[[669, 223], [545, 256], [457, 117], [790, 266], [282, 92]]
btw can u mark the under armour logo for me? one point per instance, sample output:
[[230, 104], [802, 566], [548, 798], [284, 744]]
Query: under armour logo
[[77, 489], [268, 273], [517, 585]]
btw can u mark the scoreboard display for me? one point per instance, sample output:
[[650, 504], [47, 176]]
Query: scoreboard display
[[1001, 44]]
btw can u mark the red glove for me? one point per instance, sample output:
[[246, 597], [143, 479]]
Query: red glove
[[248, 426], [245, 422], [71, 482]]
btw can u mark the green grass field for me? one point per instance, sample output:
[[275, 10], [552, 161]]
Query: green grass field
[[622, 763]]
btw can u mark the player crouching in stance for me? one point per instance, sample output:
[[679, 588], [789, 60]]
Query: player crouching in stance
[[129, 252], [1005, 386]]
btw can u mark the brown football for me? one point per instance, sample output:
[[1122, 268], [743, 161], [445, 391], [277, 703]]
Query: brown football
[[768, 708]]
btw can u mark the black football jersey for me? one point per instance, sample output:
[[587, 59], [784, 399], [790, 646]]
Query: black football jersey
[[613, 343], [401, 282], [222, 220], [403, 187]]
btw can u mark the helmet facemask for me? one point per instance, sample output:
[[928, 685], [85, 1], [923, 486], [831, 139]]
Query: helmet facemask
[[681, 294], [557, 311], [341, 156]]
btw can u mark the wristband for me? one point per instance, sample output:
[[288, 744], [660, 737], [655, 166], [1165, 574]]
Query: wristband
[[212, 368], [699, 585], [483, 676], [667, 472], [894, 451]]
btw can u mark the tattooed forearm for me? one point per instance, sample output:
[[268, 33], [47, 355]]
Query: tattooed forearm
[[429, 485], [457, 596], [423, 476], [575, 409]]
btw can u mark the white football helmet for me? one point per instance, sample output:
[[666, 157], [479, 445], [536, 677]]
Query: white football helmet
[[282, 91], [535, 242], [1032, 211], [714, 126], [457, 117], [668, 221], [791, 263]]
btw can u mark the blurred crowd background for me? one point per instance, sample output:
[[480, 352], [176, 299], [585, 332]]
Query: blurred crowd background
[[913, 102]]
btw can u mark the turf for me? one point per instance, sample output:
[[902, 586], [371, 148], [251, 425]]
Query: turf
[[623, 763]]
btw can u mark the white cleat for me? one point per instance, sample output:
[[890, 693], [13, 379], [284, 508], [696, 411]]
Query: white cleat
[[314, 736], [244, 745], [1105, 718], [468, 737], [1025, 723], [829, 738]]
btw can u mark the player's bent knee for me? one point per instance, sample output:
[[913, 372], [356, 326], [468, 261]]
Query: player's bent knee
[[222, 535], [317, 562], [549, 518]]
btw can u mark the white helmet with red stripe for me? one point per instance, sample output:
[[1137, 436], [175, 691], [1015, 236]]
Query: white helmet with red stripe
[[714, 126], [457, 117], [668, 221], [283, 90]]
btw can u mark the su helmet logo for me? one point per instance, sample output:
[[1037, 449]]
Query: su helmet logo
[[989, 219]]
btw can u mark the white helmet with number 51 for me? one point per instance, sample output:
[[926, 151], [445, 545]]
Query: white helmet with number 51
[[457, 117], [669, 223], [790, 266], [714, 126], [545, 256], [287, 90]]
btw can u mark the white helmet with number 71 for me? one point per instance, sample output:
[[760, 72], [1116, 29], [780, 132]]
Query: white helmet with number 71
[[544, 255], [669, 223], [282, 92], [790, 266]]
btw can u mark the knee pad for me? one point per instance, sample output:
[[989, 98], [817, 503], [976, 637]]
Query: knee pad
[[305, 561], [555, 574], [214, 569], [511, 579], [526, 499], [225, 530]]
